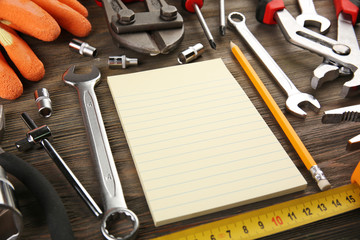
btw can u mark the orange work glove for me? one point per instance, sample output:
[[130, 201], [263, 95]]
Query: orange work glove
[[41, 19]]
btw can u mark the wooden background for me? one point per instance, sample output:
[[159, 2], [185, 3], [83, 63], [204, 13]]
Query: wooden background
[[326, 143]]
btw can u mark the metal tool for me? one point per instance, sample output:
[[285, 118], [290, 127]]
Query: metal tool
[[53, 209], [121, 61], [11, 218], [328, 70], [82, 48], [345, 114], [41, 136], [195, 6], [222, 17], [338, 53], [149, 34], [43, 102], [295, 97], [309, 17], [190, 54], [115, 207]]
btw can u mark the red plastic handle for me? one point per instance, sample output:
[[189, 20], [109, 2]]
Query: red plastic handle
[[188, 5], [266, 9], [350, 7]]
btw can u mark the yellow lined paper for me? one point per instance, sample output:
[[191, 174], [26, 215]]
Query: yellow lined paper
[[198, 143]]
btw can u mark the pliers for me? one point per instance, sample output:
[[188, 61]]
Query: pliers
[[341, 54], [345, 114]]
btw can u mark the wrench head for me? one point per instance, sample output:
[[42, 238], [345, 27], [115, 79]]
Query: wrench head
[[314, 20], [73, 79], [295, 101], [2, 122]]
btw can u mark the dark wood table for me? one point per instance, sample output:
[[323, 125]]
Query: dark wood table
[[326, 143]]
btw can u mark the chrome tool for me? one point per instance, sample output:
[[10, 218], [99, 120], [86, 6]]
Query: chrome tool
[[115, 208], [309, 17], [338, 53], [295, 97]]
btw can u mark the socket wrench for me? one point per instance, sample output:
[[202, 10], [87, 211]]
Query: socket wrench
[[115, 208]]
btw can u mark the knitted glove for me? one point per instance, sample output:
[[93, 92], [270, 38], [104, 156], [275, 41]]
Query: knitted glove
[[41, 19]]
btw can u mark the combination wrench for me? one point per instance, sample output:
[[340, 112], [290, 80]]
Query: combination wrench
[[295, 97], [309, 17], [115, 208]]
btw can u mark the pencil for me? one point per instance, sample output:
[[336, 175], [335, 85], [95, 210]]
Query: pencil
[[289, 131]]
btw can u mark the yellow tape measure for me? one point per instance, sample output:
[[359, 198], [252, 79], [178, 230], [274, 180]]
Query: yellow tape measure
[[276, 218]]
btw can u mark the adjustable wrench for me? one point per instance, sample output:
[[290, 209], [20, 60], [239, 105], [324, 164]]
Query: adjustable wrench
[[295, 97], [309, 17], [115, 208], [342, 55]]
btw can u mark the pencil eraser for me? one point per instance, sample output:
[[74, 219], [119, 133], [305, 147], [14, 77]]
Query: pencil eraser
[[324, 184]]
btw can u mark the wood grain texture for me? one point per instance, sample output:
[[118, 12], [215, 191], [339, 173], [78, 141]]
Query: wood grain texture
[[326, 143]]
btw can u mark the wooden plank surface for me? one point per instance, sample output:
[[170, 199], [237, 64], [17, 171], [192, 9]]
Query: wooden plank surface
[[326, 143]]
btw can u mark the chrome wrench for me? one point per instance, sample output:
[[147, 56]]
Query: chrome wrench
[[295, 97], [309, 17], [115, 208]]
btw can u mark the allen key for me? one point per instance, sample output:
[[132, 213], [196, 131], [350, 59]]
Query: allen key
[[40, 135]]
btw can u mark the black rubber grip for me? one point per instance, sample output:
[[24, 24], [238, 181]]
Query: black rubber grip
[[56, 217]]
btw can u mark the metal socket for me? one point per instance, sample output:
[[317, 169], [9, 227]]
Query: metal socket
[[43, 102], [82, 47], [11, 219], [121, 61], [191, 53]]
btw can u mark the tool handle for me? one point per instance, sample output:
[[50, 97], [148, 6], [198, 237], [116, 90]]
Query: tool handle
[[188, 5], [266, 10], [112, 193], [348, 7], [56, 217]]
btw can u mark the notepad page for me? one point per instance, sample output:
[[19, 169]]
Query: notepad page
[[198, 143]]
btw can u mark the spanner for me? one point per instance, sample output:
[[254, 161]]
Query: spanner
[[115, 208], [309, 17], [295, 97]]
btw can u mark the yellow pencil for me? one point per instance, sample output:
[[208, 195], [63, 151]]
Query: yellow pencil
[[289, 131]]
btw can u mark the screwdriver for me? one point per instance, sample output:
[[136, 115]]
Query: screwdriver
[[194, 6]]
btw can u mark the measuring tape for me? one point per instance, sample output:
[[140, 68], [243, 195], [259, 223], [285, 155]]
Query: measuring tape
[[276, 218]]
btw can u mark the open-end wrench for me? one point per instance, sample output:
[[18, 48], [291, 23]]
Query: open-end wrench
[[309, 17], [115, 208], [295, 97], [342, 55]]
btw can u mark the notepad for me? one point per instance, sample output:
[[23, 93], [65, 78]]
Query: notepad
[[198, 143]]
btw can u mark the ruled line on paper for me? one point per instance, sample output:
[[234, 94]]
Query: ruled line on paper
[[126, 96], [210, 176], [228, 193], [199, 150], [198, 143], [178, 164]]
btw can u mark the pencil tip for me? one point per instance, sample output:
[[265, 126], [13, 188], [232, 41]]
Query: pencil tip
[[232, 44]]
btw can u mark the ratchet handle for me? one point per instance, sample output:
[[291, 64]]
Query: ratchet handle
[[350, 7], [56, 217], [266, 10], [188, 5]]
